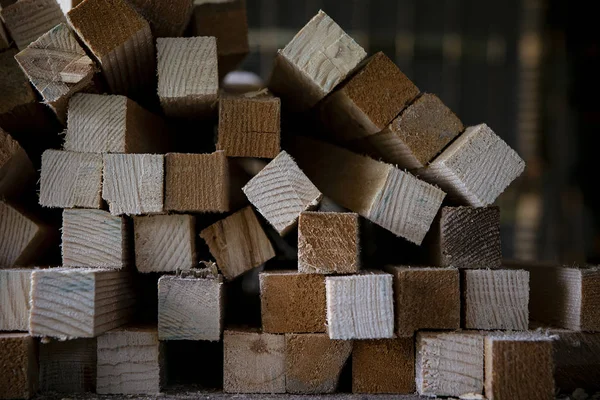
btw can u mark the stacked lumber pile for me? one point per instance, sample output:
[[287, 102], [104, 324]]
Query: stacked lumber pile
[[305, 223]]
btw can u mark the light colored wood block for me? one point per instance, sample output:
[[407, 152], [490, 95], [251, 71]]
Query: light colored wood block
[[71, 303], [360, 306], [476, 168], [238, 243], [449, 363], [18, 366], [94, 238], [197, 182], [328, 242], [120, 40], [381, 193], [518, 366], [383, 366], [426, 298], [15, 285], [130, 361], [576, 361], [68, 366], [167, 19], [314, 362], [253, 362], [27, 20], [133, 183], [281, 191], [188, 77], [16, 170], [314, 62], [496, 299], [71, 179], [165, 242]]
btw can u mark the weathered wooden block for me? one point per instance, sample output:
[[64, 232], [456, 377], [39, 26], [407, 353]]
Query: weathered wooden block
[[16, 170], [328, 242], [449, 364], [426, 298], [576, 362], [360, 306], [166, 19], [314, 362], [27, 20], [165, 242], [133, 183], [18, 366], [15, 285], [383, 366], [68, 366], [253, 362], [496, 299], [292, 302], [238, 243], [130, 362]]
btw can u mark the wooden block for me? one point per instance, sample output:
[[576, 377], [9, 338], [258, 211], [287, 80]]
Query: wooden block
[[94, 238], [449, 363], [368, 101], [383, 366], [518, 366], [496, 299], [68, 366], [291, 302], [16, 170], [360, 306], [167, 19], [576, 361], [5, 41], [71, 179], [79, 303], [165, 242], [130, 361], [133, 183], [27, 20], [314, 362], [190, 308], [426, 298], [382, 193], [238, 243], [281, 191], [15, 287], [318, 58], [18, 366], [120, 40], [188, 77], [249, 126], [476, 168], [253, 362], [112, 124], [197, 182]]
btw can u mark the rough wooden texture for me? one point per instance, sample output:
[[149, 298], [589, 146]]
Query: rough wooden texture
[[576, 362], [15, 287], [70, 179], [130, 361], [328, 242], [383, 366], [496, 299], [197, 182], [165, 242], [94, 238], [57, 67], [314, 362], [360, 306], [16, 170], [133, 183], [518, 366], [112, 124], [383, 194], [68, 366], [281, 191], [476, 168], [426, 298], [120, 40], [188, 77], [249, 126], [167, 19], [79, 303], [292, 303], [253, 362], [238, 243], [368, 101], [449, 364], [318, 58], [14, 85], [18, 366], [27, 20]]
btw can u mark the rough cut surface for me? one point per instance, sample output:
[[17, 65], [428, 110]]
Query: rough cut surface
[[18, 366], [576, 362], [68, 366], [27, 20], [15, 285], [166, 19]]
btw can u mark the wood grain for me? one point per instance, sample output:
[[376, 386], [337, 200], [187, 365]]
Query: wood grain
[[166, 19], [15, 287], [27, 20], [68, 366], [18, 366], [576, 364], [17, 174]]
